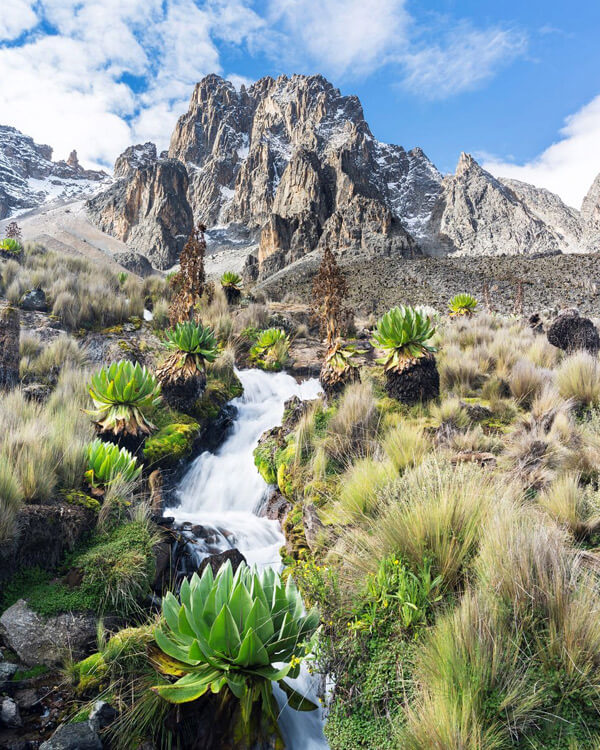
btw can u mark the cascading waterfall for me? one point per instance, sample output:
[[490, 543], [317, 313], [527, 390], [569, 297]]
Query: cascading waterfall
[[221, 492]]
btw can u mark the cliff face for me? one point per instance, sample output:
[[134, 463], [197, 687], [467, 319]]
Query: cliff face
[[295, 162], [147, 205], [479, 215], [590, 214], [289, 165], [29, 177]]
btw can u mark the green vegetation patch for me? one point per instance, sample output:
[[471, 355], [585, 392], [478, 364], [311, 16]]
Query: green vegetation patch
[[115, 568], [171, 443]]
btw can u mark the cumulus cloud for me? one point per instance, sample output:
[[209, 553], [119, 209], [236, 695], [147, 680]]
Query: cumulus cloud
[[16, 16], [344, 36], [98, 75], [567, 167], [466, 58]]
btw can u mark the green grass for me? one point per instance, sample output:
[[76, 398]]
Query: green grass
[[117, 567]]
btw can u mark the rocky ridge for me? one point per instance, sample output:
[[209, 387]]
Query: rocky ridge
[[146, 206], [29, 177], [289, 165]]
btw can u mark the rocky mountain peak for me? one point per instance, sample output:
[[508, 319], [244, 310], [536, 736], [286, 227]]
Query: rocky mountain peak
[[288, 165], [29, 177], [590, 208], [136, 157]]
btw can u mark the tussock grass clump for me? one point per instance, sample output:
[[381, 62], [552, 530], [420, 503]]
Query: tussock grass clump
[[460, 372], [47, 361], [542, 354], [572, 506], [81, 293], [405, 445], [449, 415], [475, 440], [45, 444], [11, 497], [578, 378], [352, 429], [436, 512], [474, 692], [526, 381], [360, 486]]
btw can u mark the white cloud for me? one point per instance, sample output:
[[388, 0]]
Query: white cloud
[[16, 16], [114, 71], [343, 36], [567, 167], [465, 59]]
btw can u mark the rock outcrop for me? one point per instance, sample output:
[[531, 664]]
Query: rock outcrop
[[294, 161], [29, 177], [549, 208], [479, 215], [147, 206], [590, 214], [39, 640]]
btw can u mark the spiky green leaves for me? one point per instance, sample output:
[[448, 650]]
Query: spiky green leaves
[[342, 358], [463, 304], [108, 463], [195, 340], [231, 280], [270, 350], [403, 333], [231, 630], [120, 394], [11, 246]]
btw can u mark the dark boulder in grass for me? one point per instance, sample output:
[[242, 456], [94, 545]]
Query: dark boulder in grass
[[572, 333], [418, 382], [135, 262], [10, 335], [34, 300]]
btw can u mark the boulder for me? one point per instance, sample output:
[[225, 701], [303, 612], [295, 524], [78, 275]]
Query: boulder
[[34, 300], [134, 262], [571, 333], [79, 736], [10, 335], [39, 392], [39, 640], [234, 556], [102, 715], [7, 670], [9, 714]]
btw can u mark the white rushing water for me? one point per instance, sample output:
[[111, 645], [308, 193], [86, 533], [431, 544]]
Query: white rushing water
[[221, 492]]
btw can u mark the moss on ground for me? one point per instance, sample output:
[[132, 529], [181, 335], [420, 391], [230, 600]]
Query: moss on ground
[[171, 443], [115, 567]]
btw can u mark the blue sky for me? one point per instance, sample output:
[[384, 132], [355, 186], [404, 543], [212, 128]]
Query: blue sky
[[514, 83]]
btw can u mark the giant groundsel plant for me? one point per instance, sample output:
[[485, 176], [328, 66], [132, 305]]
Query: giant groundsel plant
[[240, 631]]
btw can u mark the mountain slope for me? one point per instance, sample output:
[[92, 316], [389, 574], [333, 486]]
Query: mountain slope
[[29, 177]]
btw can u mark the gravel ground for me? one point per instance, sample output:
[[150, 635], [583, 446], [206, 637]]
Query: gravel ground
[[376, 284]]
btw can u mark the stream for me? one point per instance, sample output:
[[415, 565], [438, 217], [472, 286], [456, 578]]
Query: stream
[[222, 491]]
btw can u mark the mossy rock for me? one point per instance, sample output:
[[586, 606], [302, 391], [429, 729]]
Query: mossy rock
[[284, 458], [171, 443], [81, 500], [89, 673], [219, 391], [264, 460]]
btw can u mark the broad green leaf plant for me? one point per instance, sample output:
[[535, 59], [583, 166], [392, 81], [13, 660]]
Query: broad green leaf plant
[[403, 334], [239, 631]]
